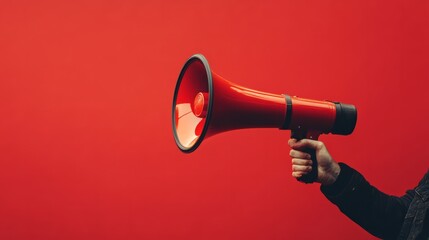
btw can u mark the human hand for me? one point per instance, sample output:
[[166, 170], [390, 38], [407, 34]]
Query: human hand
[[328, 169]]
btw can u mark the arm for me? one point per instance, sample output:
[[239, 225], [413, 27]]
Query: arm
[[378, 213]]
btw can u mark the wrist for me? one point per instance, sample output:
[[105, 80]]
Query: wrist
[[332, 174]]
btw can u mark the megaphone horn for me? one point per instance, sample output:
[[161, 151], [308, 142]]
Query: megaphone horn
[[206, 104]]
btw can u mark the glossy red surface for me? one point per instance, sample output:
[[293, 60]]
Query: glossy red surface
[[312, 115], [237, 107]]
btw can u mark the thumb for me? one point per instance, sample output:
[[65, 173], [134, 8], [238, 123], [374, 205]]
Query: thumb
[[292, 142], [306, 144]]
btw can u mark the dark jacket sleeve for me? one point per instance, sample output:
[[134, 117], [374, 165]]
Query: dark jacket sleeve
[[378, 213]]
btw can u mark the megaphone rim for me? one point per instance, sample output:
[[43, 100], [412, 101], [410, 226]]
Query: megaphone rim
[[203, 60]]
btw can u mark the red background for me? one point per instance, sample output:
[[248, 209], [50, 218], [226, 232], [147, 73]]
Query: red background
[[86, 87]]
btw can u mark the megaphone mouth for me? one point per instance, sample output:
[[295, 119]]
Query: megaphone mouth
[[190, 122]]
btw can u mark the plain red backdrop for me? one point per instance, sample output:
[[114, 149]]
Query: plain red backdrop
[[86, 87]]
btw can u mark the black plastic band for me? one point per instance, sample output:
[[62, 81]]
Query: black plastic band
[[288, 116], [345, 119]]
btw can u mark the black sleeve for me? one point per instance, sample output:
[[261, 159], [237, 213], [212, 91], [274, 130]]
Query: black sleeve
[[378, 213]]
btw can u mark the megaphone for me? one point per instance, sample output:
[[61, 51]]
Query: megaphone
[[205, 104]]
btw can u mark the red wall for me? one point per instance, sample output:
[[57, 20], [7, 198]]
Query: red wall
[[86, 87]]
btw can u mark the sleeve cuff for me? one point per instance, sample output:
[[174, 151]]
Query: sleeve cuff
[[342, 182]]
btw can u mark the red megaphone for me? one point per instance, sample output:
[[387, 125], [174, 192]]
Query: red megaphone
[[205, 104]]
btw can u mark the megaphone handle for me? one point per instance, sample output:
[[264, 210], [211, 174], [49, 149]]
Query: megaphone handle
[[311, 176]]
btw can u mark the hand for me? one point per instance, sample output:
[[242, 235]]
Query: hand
[[328, 169]]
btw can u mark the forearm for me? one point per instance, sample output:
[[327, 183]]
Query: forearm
[[378, 213]]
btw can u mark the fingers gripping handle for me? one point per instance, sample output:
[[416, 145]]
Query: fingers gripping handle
[[311, 176]]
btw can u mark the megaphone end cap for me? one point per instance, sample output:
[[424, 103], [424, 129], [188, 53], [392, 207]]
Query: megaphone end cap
[[345, 120]]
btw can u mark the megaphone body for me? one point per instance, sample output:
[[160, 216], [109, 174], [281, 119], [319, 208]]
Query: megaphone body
[[206, 104]]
